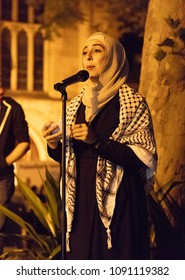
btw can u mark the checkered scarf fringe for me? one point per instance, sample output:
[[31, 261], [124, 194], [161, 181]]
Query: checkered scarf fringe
[[135, 128]]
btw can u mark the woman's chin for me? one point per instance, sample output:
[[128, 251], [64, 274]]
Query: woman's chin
[[94, 79]]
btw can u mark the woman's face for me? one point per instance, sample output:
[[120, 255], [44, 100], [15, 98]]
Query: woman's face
[[93, 57]]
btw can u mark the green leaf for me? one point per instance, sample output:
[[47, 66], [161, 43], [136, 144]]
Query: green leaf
[[42, 246], [18, 254], [164, 191], [159, 55], [37, 206], [55, 252], [29, 229], [53, 198]]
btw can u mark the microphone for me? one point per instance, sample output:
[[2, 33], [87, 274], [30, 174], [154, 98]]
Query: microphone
[[81, 76]]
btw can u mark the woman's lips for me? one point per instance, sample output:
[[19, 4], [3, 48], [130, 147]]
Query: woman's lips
[[90, 67]]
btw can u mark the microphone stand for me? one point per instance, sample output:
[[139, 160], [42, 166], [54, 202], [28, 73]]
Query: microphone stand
[[81, 76], [63, 219]]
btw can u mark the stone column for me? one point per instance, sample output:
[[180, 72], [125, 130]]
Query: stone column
[[13, 79]]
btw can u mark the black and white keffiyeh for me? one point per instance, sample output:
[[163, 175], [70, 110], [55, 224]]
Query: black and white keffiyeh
[[134, 130]]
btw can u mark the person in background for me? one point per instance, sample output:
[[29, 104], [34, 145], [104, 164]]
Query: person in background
[[14, 143], [110, 158]]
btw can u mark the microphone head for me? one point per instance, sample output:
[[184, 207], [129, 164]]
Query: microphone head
[[83, 75]]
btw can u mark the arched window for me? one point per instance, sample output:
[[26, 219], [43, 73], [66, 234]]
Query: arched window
[[6, 13], [38, 14], [38, 62], [22, 60], [22, 11], [6, 58]]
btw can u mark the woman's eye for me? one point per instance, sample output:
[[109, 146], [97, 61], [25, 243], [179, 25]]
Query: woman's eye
[[84, 53], [97, 50]]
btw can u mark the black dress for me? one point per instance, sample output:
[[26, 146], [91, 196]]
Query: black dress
[[129, 230]]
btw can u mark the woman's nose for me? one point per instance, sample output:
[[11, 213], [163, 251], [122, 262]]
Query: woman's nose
[[89, 56]]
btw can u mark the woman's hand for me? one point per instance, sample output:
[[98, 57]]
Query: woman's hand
[[52, 134], [84, 133]]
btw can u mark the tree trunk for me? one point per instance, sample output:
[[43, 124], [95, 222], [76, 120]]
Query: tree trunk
[[162, 82]]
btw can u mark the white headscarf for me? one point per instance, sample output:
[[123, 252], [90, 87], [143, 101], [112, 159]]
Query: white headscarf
[[114, 74]]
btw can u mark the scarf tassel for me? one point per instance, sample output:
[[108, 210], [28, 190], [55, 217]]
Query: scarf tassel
[[67, 242], [109, 239]]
